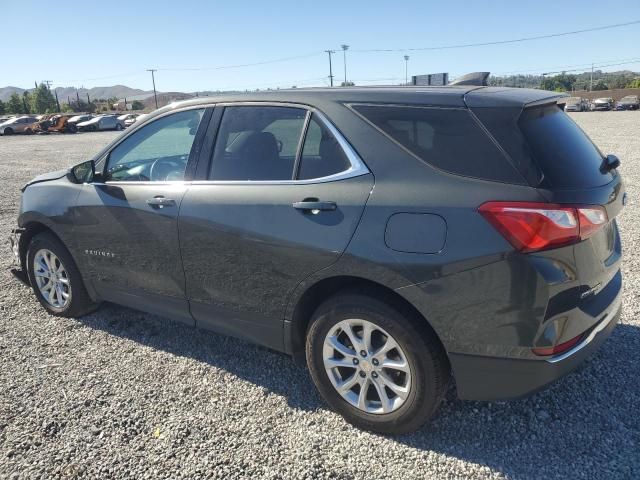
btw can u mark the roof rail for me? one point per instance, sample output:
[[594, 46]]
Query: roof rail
[[474, 78]]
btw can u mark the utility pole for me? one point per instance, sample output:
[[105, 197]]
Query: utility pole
[[406, 69], [591, 87], [344, 57], [48, 82], [153, 79], [57, 101], [78, 97], [330, 67]]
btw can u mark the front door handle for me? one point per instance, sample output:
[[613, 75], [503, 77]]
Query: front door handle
[[161, 202], [314, 206]]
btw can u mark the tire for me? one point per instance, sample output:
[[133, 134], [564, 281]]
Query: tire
[[78, 302], [8, 131], [28, 131], [118, 127], [419, 352]]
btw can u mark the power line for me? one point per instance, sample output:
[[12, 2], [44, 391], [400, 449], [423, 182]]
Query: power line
[[502, 42], [242, 65], [542, 69]]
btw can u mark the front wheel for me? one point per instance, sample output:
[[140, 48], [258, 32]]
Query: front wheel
[[55, 279], [375, 365]]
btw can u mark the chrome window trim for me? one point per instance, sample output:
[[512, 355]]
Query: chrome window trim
[[357, 166]]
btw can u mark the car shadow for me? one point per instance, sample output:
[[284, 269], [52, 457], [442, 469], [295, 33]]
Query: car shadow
[[587, 425]]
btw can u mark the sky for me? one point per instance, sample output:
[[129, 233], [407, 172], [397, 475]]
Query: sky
[[106, 43]]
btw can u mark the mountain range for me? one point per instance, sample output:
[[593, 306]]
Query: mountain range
[[95, 93]]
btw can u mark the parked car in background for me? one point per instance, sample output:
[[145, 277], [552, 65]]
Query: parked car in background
[[576, 104], [256, 215], [102, 122], [24, 124], [128, 119], [80, 118], [630, 102], [602, 104], [55, 124]]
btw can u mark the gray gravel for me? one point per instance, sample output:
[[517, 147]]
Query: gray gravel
[[122, 394]]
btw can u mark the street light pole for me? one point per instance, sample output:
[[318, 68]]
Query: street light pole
[[153, 79], [330, 67], [344, 57], [406, 67]]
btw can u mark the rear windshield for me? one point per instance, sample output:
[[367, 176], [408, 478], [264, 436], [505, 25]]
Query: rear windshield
[[566, 156], [449, 139]]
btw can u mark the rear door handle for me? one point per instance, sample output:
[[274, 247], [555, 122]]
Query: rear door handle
[[161, 202], [314, 206]]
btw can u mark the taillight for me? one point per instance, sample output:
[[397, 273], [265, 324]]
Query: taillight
[[560, 348], [532, 227]]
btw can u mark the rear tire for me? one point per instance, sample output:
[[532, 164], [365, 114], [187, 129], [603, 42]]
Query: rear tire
[[412, 377], [118, 127], [8, 131], [55, 278]]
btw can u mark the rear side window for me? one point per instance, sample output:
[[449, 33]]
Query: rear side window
[[321, 155], [257, 143], [449, 139], [563, 152]]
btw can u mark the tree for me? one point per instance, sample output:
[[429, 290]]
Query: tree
[[600, 86], [137, 105], [42, 100], [26, 102], [634, 83], [14, 105], [3, 108]]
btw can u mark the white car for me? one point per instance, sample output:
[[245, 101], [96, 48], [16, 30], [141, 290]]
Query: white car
[[103, 122]]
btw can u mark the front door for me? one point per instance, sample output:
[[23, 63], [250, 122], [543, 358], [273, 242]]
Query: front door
[[126, 224], [282, 199]]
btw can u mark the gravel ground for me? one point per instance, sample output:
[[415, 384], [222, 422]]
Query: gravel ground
[[122, 394]]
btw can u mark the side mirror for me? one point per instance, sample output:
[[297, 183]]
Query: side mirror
[[83, 172], [611, 162]]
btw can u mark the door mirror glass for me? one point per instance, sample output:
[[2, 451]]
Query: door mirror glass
[[83, 172]]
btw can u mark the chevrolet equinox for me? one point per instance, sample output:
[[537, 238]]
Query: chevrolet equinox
[[394, 239]]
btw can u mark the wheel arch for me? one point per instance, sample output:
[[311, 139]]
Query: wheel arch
[[35, 227], [326, 288]]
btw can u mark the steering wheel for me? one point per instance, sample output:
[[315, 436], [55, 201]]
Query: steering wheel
[[162, 168]]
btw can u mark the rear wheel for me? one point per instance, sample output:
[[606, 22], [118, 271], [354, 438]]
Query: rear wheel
[[374, 365], [8, 131], [118, 127], [55, 279]]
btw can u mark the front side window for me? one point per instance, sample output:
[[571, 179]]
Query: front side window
[[158, 151], [257, 143], [322, 155]]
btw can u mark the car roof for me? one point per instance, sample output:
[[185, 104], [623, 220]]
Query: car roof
[[450, 96]]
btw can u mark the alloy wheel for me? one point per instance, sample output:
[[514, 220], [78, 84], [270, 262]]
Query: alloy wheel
[[51, 278], [366, 366]]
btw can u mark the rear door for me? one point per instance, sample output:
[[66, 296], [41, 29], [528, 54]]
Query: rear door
[[280, 200]]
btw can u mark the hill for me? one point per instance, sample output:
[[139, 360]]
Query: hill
[[95, 93]]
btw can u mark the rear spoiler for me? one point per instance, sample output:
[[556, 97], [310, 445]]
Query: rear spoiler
[[478, 79]]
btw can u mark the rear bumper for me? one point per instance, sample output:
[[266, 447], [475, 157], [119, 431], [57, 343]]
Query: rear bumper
[[490, 378]]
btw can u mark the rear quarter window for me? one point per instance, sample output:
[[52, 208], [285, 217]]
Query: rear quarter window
[[565, 154], [448, 139]]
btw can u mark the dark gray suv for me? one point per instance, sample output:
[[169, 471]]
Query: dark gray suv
[[393, 238]]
